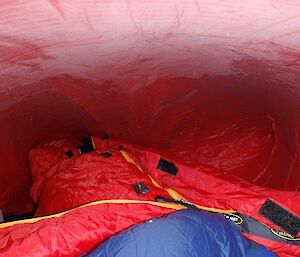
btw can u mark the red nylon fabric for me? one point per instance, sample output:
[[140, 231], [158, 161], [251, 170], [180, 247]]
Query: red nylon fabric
[[84, 178], [280, 249], [75, 233], [213, 188], [206, 83], [211, 83], [206, 186]]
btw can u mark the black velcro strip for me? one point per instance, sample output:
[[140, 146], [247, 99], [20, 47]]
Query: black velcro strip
[[280, 217], [141, 188], [69, 153], [167, 166], [106, 154]]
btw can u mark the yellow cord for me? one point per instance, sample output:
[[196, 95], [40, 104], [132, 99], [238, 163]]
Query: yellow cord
[[117, 201], [175, 195], [284, 235]]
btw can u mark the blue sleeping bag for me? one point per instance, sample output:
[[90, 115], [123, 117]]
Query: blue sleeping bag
[[186, 233]]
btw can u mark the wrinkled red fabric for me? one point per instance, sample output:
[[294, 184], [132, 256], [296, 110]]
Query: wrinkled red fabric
[[208, 186], [41, 159], [210, 83], [204, 82], [214, 188], [83, 178], [88, 177], [75, 233]]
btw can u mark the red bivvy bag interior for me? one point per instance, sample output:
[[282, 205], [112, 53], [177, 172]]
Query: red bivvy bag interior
[[200, 100]]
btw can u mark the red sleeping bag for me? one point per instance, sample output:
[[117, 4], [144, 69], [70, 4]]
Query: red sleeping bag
[[66, 183], [109, 173]]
